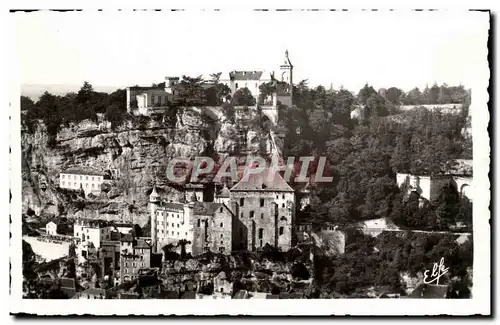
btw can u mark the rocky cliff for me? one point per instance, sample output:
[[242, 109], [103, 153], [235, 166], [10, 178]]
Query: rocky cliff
[[133, 155]]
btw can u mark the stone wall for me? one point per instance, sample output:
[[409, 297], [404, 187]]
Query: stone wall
[[260, 222]]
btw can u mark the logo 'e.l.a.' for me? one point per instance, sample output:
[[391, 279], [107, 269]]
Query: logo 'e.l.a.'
[[304, 169]]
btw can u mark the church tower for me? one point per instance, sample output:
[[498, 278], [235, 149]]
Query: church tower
[[285, 82]]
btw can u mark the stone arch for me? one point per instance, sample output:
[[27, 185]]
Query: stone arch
[[465, 190]]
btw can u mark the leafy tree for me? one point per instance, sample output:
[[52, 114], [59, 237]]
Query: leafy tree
[[393, 95], [190, 92], [243, 97]]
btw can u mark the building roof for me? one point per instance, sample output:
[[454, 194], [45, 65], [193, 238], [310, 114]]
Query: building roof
[[224, 192], [172, 206], [193, 185], [263, 182], [245, 75], [141, 243], [83, 171], [206, 208], [153, 192], [122, 224], [221, 275], [127, 238]]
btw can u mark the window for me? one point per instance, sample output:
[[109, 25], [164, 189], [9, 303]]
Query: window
[[93, 185], [252, 214], [173, 225], [177, 225], [198, 222], [92, 178], [262, 215], [221, 235], [63, 176], [126, 264], [283, 205], [241, 215], [261, 233], [277, 197], [80, 177], [283, 196], [186, 233], [256, 85], [222, 242], [63, 183], [282, 229], [261, 202], [242, 202], [172, 233], [236, 85], [74, 184], [220, 210], [177, 216], [221, 225], [177, 233], [87, 185]]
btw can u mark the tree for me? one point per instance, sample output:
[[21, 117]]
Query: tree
[[447, 206], [84, 95], [365, 93], [393, 95], [190, 92], [243, 97]]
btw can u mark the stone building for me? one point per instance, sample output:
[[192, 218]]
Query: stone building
[[85, 178], [256, 211], [135, 256], [93, 231], [265, 206], [213, 228], [428, 186], [204, 225]]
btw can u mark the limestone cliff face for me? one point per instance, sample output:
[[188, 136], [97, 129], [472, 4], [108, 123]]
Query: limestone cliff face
[[134, 155]]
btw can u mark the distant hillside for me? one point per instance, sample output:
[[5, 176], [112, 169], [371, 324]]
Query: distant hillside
[[34, 91]]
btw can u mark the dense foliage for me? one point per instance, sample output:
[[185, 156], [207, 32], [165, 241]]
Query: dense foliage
[[364, 156], [380, 262]]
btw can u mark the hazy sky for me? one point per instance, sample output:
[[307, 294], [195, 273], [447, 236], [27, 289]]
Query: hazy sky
[[399, 48]]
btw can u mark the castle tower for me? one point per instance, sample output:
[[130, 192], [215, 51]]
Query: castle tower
[[154, 201], [224, 196], [285, 82]]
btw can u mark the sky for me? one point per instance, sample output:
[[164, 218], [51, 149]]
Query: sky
[[340, 49]]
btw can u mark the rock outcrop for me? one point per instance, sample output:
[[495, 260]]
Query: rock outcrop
[[134, 156]]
